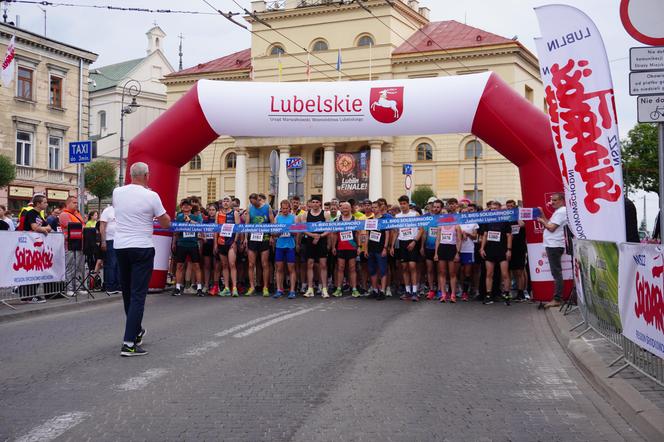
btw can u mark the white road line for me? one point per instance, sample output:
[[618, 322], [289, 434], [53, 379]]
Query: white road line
[[260, 327], [200, 350], [232, 330], [55, 427], [139, 382]]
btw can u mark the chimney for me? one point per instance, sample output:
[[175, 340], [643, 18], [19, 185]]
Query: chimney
[[424, 12], [258, 6]]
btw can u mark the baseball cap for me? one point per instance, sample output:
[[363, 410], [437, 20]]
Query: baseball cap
[[431, 199]]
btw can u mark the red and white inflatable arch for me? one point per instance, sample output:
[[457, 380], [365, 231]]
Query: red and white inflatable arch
[[479, 103]]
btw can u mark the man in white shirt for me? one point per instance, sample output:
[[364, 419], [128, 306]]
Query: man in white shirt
[[554, 244], [107, 227], [136, 207], [408, 252]]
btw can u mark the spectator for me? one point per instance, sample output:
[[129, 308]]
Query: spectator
[[107, 226], [6, 223], [554, 244], [53, 219], [93, 217], [35, 222], [74, 262]]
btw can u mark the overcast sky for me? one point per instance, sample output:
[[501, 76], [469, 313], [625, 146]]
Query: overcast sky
[[120, 35]]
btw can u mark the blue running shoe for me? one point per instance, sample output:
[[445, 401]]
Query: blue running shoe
[[278, 294], [291, 295]]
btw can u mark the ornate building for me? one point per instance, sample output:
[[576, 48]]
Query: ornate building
[[384, 42]]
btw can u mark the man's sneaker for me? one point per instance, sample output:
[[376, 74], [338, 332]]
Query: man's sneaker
[[235, 293], [266, 292], [388, 292], [355, 293], [453, 298], [337, 293], [214, 291], [380, 296], [200, 293], [250, 292], [487, 300], [139, 337], [552, 304], [324, 293], [372, 293], [278, 294], [431, 294], [225, 292], [309, 293], [292, 295], [507, 298], [113, 292], [132, 351], [464, 297], [415, 298], [177, 292], [439, 295], [37, 300]]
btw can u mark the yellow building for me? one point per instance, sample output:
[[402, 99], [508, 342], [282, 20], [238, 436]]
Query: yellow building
[[42, 110], [379, 42]]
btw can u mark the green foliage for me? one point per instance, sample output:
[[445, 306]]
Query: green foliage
[[7, 171], [100, 178], [639, 155], [421, 194]]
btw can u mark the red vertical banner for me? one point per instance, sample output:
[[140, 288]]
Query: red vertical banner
[[352, 175]]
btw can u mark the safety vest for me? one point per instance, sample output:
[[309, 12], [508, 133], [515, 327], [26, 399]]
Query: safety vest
[[74, 217]]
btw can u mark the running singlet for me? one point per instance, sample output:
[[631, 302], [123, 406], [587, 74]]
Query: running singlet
[[285, 240], [260, 215], [377, 237], [188, 239], [225, 218], [409, 233], [311, 218], [448, 235], [432, 233], [346, 239], [468, 245]]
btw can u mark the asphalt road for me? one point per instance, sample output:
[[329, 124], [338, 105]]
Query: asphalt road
[[253, 369]]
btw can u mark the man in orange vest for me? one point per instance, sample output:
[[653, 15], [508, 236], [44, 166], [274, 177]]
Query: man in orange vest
[[74, 261]]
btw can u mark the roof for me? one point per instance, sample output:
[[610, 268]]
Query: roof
[[9, 30], [111, 75], [236, 61], [448, 35]]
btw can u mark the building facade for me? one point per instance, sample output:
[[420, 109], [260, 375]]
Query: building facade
[[43, 109], [386, 42]]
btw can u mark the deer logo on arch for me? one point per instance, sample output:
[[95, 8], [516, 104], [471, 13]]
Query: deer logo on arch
[[386, 104]]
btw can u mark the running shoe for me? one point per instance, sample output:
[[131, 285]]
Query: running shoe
[[214, 291], [278, 294], [235, 293], [225, 292], [443, 297], [132, 351], [356, 293], [464, 297], [337, 293], [324, 293], [405, 296], [487, 300], [309, 293], [415, 298], [266, 292], [381, 296], [292, 295], [388, 292], [139, 337], [177, 292], [439, 295], [430, 295], [250, 292], [37, 300], [507, 299], [199, 292], [453, 298]]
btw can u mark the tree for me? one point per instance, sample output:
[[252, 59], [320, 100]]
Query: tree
[[639, 155], [100, 179], [421, 194], [7, 171]]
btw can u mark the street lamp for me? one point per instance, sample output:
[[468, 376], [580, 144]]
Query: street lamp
[[131, 88]]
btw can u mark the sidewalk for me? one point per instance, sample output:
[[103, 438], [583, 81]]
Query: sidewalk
[[636, 397], [25, 310]]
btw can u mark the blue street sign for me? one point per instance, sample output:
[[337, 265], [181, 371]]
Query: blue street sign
[[407, 169], [294, 163], [80, 152]]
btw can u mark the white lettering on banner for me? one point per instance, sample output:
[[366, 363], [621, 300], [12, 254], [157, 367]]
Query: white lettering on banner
[[31, 258], [374, 236], [579, 93], [256, 237], [346, 236], [493, 236], [358, 108], [539, 264], [641, 295]]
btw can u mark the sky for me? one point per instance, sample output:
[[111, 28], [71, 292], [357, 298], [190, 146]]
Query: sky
[[120, 35]]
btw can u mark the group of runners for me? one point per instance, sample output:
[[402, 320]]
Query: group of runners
[[446, 262]]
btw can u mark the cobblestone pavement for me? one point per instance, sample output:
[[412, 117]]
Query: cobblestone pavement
[[306, 370]]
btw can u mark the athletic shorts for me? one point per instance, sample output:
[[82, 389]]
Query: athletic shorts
[[181, 254], [208, 245], [518, 260], [446, 252], [286, 255], [406, 255], [223, 249], [316, 251], [259, 246], [346, 254], [376, 263], [467, 258], [496, 257], [428, 254]]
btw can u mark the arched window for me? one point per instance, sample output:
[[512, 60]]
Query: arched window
[[319, 45], [317, 157], [102, 120], [195, 163], [231, 160], [276, 50], [424, 152], [470, 150], [365, 40]]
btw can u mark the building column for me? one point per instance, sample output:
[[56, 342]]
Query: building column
[[329, 180], [241, 176], [282, 192], [375, 170], [388, 171]]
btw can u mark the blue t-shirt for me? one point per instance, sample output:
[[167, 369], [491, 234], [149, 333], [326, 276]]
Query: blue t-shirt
[[188, 239], [285, 240], [260, 215], [432, 233]]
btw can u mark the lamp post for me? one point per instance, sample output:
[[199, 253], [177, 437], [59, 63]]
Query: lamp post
[[131, 88]]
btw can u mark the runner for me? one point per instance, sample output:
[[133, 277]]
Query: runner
[[448, 256], [379, 241], [316, 248], [331, 259], [209, 261], [519, 248], [285, 252], [258, 244], [468, 240], [185, 245], [225, 248], [496, 249], [408, 252], [345, 248], [428, 249]]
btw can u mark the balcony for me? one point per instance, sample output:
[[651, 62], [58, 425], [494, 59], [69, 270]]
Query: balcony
[[47, 176]]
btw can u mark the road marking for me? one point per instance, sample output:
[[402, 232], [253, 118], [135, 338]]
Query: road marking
[[55, 427], [200, 350], [260, 327], [139, 382], [232, 330]]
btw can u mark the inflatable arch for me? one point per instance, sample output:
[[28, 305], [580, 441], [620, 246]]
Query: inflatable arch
[[481, 104]]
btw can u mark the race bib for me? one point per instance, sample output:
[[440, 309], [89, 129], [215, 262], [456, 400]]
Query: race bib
[[285, 235], [226, 230], [433, 231], [406, 233], [256, 237], [371, 224], [346, 236], [446, 237], [189, 234], [209, 236], [374, 236], [516, 229], [493, 236]]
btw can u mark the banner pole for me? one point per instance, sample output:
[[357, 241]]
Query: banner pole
[[661, 179]]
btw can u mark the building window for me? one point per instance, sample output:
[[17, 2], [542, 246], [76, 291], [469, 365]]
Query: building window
[[24, 83], [54, 153], [231, 161], [529, 93], [195, 163], [365, 40], [102, 120], [319, 45], [23, 148], [277, 50], [470, 150], [317, 157], [55, 92], [211, 190], [424, 152], [470, 194]]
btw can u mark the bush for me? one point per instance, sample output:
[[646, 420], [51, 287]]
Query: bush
[[100, 178], [421, 194], [7, 171]]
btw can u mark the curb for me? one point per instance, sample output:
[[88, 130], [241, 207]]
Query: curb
[[647, 418], [61, 307]]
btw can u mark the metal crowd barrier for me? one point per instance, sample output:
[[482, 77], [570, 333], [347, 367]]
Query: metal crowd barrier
[[11, 296]]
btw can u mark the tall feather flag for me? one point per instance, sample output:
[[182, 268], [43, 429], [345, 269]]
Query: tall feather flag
[[8, 63], [339, 63]]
